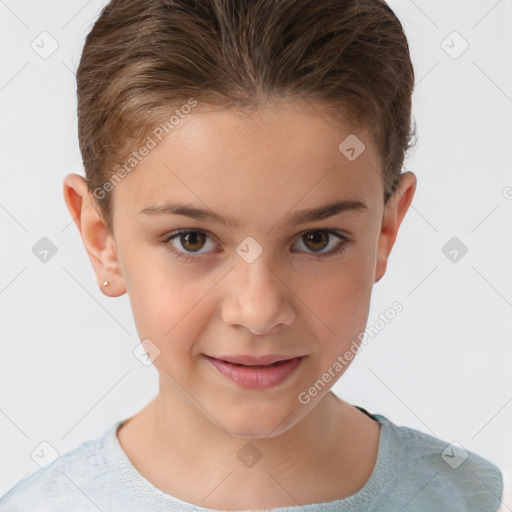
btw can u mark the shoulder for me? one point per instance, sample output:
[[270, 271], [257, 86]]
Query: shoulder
[[431, 471], [69, 483]]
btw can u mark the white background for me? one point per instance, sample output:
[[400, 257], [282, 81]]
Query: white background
[[442, 366]]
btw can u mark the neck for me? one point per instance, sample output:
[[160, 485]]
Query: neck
[[326, 455]]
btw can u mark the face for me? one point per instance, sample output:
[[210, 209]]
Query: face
[[266, 282]]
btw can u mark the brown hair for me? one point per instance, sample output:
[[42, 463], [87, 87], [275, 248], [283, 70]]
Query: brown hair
[[145, 58]]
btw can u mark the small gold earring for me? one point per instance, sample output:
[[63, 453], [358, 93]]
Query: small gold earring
[[105, 283]]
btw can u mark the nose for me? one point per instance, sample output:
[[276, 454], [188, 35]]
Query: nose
[[258, 299], [254, 332]]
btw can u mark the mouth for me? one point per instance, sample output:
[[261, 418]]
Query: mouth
[[257, 376], [277, 363], [262, 361]]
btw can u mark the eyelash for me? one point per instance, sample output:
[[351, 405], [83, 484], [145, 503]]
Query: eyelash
[[344, 241]]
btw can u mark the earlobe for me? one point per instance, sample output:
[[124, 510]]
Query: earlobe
[[394, 213], [97, 240]]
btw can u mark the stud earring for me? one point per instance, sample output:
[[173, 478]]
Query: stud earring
[[105, 283]]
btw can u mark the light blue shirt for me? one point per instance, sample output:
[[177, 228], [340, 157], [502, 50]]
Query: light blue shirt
[[414, 472]]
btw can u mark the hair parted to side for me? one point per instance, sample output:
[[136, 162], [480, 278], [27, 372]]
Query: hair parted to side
[[143, 59]]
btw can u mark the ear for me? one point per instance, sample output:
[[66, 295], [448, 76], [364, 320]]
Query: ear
[[99, 243], [394, 212]]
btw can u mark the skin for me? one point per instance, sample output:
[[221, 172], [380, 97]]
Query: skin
[[259, 169]]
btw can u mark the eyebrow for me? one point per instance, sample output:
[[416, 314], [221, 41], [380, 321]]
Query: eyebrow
[[309, 215]]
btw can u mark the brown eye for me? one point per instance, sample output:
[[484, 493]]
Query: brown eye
[[316, 240], [323, 243], [192, 240]]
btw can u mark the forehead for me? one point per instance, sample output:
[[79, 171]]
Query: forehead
[[260, 163]]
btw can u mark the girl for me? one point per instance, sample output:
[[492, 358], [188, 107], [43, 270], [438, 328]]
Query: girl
[[243, 186]]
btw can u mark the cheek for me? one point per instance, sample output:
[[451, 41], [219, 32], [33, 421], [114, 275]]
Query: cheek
[[169, 309], [340, 301], [342, 305], [159, 294], [344, 286]]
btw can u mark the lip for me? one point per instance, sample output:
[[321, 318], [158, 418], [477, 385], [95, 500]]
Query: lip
[[252, 360], [256, 377]]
